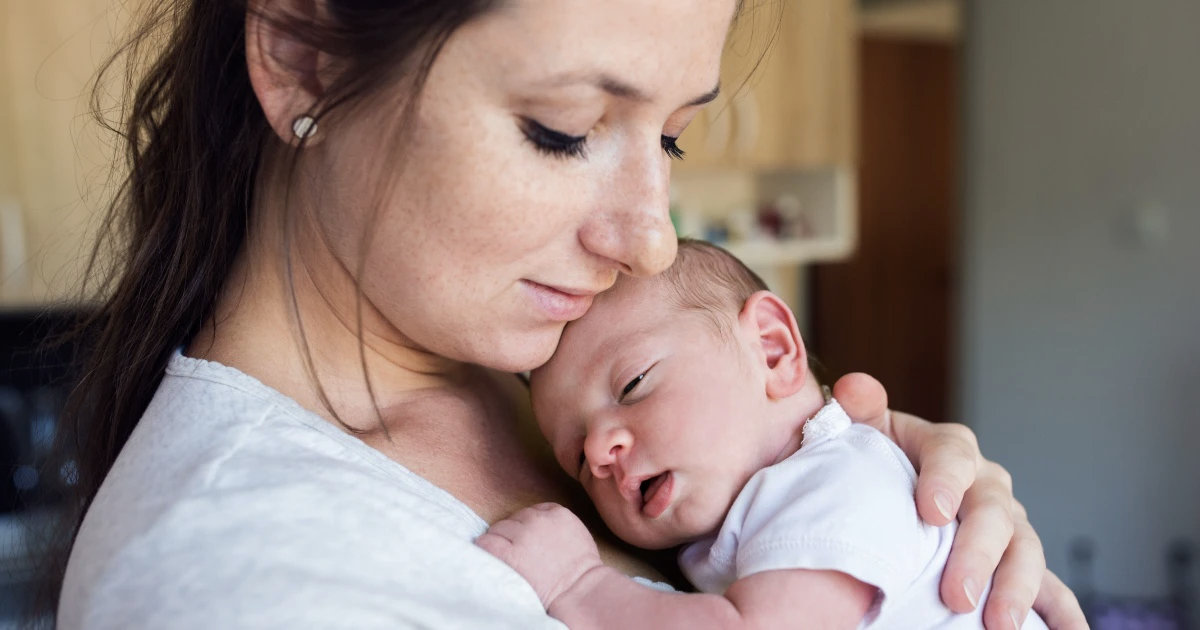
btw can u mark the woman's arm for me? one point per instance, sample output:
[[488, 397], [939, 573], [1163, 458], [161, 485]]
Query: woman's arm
[[552, 549], [994, 534]]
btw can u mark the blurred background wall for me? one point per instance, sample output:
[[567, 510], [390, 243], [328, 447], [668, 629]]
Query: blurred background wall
[[1080, 319]]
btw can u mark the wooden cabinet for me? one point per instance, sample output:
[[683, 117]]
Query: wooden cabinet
[[53, 161], [790, 108]]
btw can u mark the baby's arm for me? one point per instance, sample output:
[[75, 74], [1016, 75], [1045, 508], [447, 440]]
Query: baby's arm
[[552, 549]]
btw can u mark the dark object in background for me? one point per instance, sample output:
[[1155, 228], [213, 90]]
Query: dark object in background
[[34, 380], [1108, 612]]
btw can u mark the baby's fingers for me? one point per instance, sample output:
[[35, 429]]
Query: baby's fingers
[[511, 529], [496, 545]]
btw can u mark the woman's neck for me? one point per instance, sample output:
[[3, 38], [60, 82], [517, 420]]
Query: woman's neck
[[298, 323]]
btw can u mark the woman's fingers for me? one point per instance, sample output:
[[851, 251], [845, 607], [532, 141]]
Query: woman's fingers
[[984, 535], [1019, 576], [949, 462], [994, 534], [1058, 606]]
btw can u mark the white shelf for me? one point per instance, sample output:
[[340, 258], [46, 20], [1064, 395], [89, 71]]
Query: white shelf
[[789, 252], [835, 225]]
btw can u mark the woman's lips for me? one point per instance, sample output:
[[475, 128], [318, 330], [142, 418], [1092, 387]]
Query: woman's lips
[[658, 495], [562, 305]]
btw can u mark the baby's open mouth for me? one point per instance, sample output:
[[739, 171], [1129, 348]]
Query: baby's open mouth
[[656, 494], [646, 486]]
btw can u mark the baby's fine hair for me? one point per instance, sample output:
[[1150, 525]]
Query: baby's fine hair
[[711, 281], [707, 279]]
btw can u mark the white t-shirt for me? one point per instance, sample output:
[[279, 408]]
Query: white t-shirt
[[233, 507], [843, 502]]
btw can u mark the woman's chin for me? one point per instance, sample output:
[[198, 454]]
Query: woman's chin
[[518, 353]]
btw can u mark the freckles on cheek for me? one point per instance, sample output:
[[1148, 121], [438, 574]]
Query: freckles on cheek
[[475, 188], [488, 201]]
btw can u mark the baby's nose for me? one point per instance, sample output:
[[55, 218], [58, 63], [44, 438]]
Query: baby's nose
[[605, 449]]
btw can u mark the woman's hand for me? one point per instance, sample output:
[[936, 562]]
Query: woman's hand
[[994, 533]]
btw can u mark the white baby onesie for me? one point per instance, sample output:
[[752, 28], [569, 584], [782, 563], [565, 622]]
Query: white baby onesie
[[843, 502]]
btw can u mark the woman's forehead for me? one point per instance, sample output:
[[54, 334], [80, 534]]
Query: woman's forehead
[[640, 48]]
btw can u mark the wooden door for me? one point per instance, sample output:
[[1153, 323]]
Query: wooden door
[[889, 310]]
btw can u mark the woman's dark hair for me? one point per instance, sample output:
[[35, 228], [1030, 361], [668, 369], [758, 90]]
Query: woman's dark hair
[[193, 140]]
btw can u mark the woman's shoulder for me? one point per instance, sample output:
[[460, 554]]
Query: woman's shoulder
[[227, 488], [211, 427], [214, 435]]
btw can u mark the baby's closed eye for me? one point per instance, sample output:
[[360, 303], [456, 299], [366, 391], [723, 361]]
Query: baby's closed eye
[[631, 385]]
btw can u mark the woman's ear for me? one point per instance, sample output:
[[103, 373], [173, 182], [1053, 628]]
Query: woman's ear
[[778, 344], [284, 70]]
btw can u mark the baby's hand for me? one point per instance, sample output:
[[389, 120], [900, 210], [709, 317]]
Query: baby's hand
[[547, 544]]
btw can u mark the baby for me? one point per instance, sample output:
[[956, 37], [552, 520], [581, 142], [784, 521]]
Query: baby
[[684, 405]]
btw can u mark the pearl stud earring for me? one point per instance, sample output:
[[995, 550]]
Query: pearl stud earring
[[304, 127]]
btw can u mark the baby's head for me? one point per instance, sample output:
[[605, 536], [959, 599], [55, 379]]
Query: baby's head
[[672, 391]]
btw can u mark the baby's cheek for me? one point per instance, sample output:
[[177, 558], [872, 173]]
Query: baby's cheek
[[697, 520]]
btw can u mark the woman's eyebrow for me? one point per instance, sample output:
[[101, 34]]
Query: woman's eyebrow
[[619, 88]]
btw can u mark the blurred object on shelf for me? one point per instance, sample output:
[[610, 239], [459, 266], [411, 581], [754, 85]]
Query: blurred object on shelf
[[785, 217], [794, 217], [717, 231], [770, 221], [798, 217], [742, 225]]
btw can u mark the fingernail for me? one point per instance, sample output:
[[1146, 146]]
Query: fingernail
[[1012, 614], [943, 503], [972, 590]]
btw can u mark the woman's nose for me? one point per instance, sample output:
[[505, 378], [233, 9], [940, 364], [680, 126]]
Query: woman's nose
[[633, 225], [605, 449]]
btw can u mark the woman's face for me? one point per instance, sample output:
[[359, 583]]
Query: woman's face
[[533, 173]]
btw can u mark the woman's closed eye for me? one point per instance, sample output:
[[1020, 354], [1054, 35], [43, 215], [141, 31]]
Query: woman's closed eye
[[559, 144], [553, 142]]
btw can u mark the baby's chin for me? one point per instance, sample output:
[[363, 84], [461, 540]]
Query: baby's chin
[[653, 541], [659, 535]]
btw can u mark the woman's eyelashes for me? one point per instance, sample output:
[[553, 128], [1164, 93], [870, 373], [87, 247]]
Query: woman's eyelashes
[[671, 148], [553, 142], [559, 144]]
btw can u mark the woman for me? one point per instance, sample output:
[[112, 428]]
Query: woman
[[358, 219]]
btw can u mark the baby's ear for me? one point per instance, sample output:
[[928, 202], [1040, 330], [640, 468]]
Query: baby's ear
[[778, 342]]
